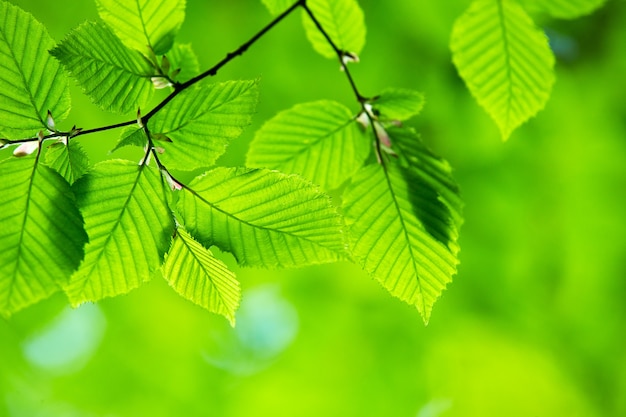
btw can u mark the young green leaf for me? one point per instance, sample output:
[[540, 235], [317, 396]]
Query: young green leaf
[[320, 141], [342, 20], [564, 9], [69, 160], [403, 219], [31, 81], [505, 60], [116, 78], [183, 58], [201, 122], [144, 24], [131, 136], [129, 226], [197, 275], [398, 104], [42, 234], [264, 218], [277, 6]]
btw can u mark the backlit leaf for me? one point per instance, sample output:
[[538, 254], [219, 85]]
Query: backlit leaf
[[31, 81], [131, 136], [398, 104], [342, 20], [116, 78], [277, 6], [69, 160], [403, 219], [505, 61], [129, 226], [144, 24], [201, 122], [264, 218], [42, 234], [182, 57], [320, 141], [197, 275], [564, 9]]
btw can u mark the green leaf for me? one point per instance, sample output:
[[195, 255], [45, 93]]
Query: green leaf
[[197, 275], [69, 160], [42, 235], [277, 6], [342, 20], [129, 226], [31, 81], [264, 218], [182, 57], [144, 24], [505, 61], [564, 9], [131, 136], [201, 121], [114, 77], [403, 220], [398, 104], [320, 141]]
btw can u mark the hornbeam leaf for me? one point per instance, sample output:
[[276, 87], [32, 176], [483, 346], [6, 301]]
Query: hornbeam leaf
[[403, 219], [129, 226], [342, 20], [31, 81], [277, 6], [42, 234], [69, 160], [131, 136], [183, 58], [505, 60], [320, 141], [202, 121], [398, 104], [144, 24], [197, 275], [116, 78], [564, 9], [264, 218]]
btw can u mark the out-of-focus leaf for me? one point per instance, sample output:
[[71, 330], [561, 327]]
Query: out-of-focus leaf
[[116, 78], [264, 218], [505, 60], [398, 104], [197, 275], [564, 9], [320, 141], [31, 81], [42, 234]]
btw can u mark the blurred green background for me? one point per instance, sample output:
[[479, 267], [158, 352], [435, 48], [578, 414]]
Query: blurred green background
[[534, 324]]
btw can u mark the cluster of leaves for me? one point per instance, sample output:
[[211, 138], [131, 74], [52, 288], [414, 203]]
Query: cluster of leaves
[[100, 231], [505, 59]]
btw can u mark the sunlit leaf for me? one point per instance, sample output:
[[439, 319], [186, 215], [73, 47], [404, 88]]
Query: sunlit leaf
[[42, 235], [505, 60], [403, 219], [131, 136], [183, 58], [201, 122], [69, 160], [31, 81], [129, 226], [320, 141], [144, 24], [264, 218], [116, 78], [398, 104], [342, 20], [277, 6], [197, 275], [564, 9]]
